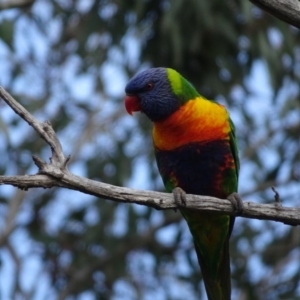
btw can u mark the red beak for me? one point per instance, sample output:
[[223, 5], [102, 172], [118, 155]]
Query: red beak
[[132, 103]]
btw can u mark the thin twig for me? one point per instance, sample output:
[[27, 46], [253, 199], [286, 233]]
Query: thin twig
[[10, 220], [44, 129], [17, 290], [277, 197]]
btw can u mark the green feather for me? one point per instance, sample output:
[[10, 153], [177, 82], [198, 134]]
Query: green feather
[[181, 87], [234, 147]]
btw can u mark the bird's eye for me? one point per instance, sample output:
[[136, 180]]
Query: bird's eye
[[149, 86]]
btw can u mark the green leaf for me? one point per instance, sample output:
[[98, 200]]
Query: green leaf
[[7, 29]]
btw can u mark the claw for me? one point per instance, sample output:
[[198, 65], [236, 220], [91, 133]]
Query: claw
[[237, 203], [179, 197]]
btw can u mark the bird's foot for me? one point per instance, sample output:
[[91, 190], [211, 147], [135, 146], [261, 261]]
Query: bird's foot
[[237, 203], [179, 197]]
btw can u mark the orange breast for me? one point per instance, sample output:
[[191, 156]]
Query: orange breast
[[198, 120]]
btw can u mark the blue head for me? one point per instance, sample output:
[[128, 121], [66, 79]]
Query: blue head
[[151, 92]]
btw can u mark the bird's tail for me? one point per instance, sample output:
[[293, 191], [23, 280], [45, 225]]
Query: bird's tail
[[219, 287], [211, 237]]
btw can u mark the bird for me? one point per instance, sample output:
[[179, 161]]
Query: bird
[[196, 152]]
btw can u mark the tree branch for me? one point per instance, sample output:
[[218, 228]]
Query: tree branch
[[10, 220], [56, 174], [285, 10], [15, 4]]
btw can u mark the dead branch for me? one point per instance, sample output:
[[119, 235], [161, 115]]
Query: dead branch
[[15, 4], [56, 174], [285, 10]]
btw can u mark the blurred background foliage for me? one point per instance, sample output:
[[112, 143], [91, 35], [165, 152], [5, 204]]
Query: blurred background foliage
[[68, 61]]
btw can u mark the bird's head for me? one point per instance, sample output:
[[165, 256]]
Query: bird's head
[[158, 92]]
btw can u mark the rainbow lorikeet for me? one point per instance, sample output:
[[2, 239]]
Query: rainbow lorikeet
[[196, 151]]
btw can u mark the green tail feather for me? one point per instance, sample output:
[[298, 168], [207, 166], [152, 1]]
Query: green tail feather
[[211, 237], [218, 288]]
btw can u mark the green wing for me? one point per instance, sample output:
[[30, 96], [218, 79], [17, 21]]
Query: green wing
[[234, 147]]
